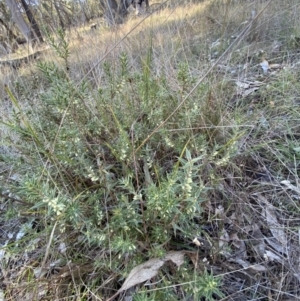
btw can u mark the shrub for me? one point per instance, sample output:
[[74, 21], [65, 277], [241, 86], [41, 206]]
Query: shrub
[[89, 167]]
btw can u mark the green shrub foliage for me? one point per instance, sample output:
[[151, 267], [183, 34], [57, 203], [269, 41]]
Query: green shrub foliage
[[82, 167]]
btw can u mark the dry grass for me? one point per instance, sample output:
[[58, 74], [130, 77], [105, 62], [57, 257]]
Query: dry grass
[[250, 232]]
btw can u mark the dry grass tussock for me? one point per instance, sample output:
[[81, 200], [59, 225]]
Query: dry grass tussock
[[113, 164]]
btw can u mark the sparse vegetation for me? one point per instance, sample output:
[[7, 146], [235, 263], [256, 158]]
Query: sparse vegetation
[[120, 150]]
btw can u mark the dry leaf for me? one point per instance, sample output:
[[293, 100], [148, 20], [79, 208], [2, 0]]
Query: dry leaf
[[224, 239], [275, 66], [62, 248], [223, 244], [233, 217], [246, 88], [176, 257], [40, 272], [249, 91], [219, 211], [290, 186], [149, 269], [1, 295], [257, 268], [275, 245], [239, 244], [193, 257], [242, 85], [274, 226], [253, 268], [143, 272], [257, 239], [265, 66], [269, 255]]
